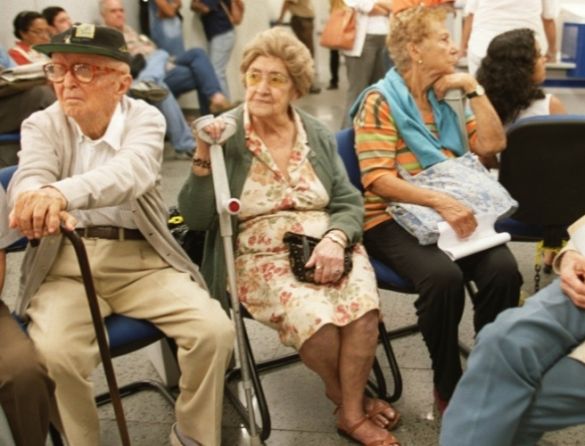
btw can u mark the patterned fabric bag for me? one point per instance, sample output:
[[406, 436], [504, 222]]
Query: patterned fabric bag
[[465, 179]]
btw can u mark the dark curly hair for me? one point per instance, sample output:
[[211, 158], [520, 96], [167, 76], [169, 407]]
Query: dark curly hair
[[23, 21], [506, 73]]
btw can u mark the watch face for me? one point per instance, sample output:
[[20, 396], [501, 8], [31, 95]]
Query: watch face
[[479, 91]]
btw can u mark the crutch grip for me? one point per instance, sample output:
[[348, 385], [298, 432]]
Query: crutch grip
[[200, 123]]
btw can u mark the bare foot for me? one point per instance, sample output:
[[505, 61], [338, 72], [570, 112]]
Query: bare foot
[[381, 413], [365, 431]]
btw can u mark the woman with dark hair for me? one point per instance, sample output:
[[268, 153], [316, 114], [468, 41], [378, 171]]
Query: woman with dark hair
[[30, 28], [512, 72], [57, 18]]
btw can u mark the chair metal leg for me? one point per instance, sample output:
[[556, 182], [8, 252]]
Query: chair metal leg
[[393, 364], [55, 436], [377, 386], [402, 332], [135, 387]]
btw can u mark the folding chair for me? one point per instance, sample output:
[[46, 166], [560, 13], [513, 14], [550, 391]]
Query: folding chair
[[542, 168]]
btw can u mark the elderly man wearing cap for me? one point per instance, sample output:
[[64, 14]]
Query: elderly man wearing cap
[[96, 155]]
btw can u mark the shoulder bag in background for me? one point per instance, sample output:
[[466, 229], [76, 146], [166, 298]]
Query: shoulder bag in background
[[339, 31], [235, 12]]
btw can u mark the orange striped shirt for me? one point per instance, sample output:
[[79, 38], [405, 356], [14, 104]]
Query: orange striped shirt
[[380, 148]]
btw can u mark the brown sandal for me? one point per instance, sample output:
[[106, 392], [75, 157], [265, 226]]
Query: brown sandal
[[378, 408], [388, 440]]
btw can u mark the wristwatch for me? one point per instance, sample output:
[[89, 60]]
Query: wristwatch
[[479, 91]]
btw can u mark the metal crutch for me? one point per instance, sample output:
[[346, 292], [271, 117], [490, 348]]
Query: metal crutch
[[226, 207]]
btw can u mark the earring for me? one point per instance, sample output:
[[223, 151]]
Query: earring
[[420, 61]]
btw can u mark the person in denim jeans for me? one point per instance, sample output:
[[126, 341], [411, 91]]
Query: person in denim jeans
[[526, 373], [220, 34], [166, 25], [191, 70]]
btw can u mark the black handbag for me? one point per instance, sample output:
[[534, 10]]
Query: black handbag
[[300, 248]]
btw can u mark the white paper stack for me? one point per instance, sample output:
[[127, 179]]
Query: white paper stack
[[484, 237], [24, 72]]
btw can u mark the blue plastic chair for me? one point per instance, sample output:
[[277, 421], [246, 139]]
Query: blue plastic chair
[[6, 138]]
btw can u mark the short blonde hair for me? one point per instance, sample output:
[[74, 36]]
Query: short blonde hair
[[412, 25], [280, 43]]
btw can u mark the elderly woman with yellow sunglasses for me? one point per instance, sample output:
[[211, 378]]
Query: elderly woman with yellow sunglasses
[[283, 166]]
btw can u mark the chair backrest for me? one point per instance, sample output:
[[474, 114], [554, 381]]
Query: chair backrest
[[9, 137], [6, 174], [346, 149], [387, 278], [543, 168]]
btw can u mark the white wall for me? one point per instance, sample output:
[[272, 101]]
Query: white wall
[[80, 11], [257, 18]]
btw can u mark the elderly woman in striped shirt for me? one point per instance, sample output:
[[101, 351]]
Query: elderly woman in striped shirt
[[402, 124]]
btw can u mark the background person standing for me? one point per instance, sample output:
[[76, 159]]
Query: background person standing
[[219, 27], [302, 22]]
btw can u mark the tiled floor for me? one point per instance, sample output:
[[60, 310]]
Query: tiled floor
[[300, 413]]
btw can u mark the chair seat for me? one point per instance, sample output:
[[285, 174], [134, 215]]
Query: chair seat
[[389, 279], [127, 334], [9, 137], [520, 231]]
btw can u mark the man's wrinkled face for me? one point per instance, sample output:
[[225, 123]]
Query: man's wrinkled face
[[83, 101]]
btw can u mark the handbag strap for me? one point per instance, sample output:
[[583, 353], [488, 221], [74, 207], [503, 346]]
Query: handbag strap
[[227, 11]]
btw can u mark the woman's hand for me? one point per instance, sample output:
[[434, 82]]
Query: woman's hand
[[215, 128], [327, 258], [202, 156], [459, 216], [464, 81], [573, 277]]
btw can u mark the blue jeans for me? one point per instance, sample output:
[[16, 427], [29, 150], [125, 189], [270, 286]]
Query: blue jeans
[[519, 374], [167, 33], [193, 71], [177, 128], [220, 49]]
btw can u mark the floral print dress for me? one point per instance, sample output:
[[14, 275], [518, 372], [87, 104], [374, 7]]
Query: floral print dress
[[271, 205]]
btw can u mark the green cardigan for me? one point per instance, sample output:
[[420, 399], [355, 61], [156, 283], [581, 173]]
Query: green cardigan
[[197, 199]]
